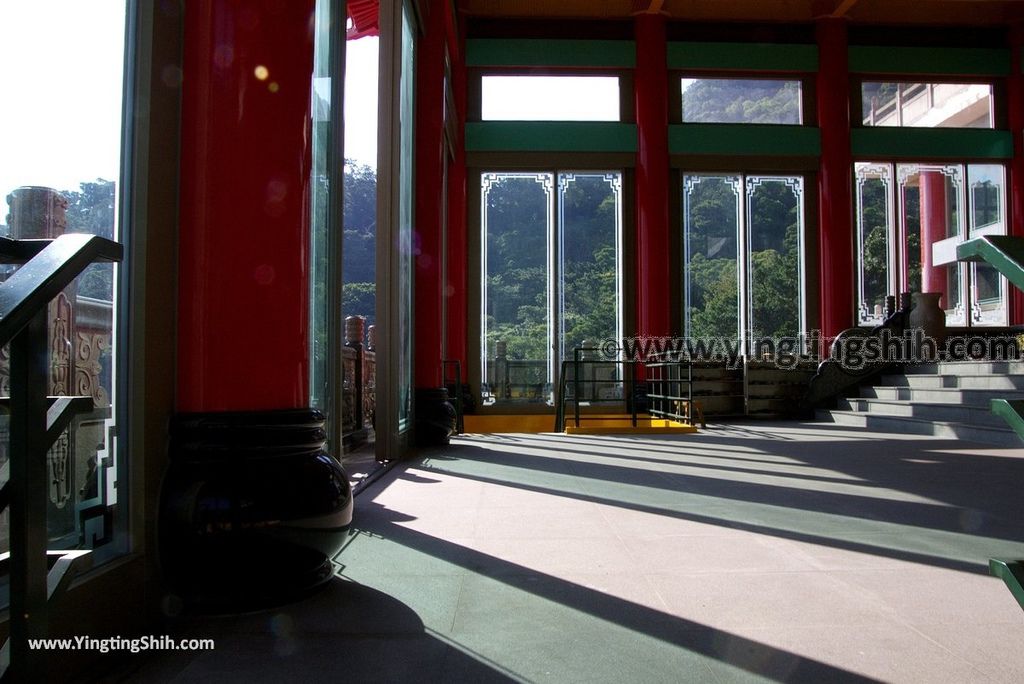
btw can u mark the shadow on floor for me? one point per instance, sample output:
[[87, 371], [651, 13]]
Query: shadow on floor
[[345, 633]]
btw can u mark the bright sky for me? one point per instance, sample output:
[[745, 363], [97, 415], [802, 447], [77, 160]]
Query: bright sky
[[61, 69], [550, 98], [361, 100]]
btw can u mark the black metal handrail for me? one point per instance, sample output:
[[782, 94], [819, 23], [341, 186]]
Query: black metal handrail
[[29, 289], [669, 398], [50, 267]]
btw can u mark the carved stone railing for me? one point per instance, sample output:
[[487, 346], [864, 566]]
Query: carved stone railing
[[516, 379], [834, 377], [359, 381]]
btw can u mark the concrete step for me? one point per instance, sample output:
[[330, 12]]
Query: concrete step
[[883, 423], [943, 413], [1008, 383], [962, 368], [970, 397]]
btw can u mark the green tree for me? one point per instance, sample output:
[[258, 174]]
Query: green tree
[[359, 255]]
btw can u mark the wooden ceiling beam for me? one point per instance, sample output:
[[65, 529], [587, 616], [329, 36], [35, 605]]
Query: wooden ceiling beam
[[844, 7]]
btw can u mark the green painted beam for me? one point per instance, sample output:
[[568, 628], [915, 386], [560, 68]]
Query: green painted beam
[[745, 56], [747, 139], [550, 136], [1012, 573], [969, 143], [1003, 252], [937, 61], [485, 52]]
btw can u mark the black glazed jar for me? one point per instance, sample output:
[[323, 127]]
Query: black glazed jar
[[252, 508]]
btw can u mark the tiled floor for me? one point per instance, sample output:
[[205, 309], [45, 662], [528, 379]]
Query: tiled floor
[[759, 552]]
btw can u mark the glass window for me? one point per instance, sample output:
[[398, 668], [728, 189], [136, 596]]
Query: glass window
[[552, 279], [931, 212], [407, 115], [319, 252], [736, 100], [986, 192], [711, 211], [550, 98], [62, 69], [517, 222], [874, 229], [926, 105], [743, 261], [909, 230], [774, 226], [590, 273]]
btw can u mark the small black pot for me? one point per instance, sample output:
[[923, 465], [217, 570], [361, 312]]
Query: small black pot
[[252, 508], [435, 417]]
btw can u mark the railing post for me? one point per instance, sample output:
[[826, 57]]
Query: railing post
[[576, 385], [28, 485], [370, 391], [501, 369], [354, 340]]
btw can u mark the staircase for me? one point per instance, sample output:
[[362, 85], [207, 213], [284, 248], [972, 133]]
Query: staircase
[[946, 399]]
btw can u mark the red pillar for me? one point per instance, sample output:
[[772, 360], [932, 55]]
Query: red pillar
[[835, 225], [427, 240], [243, 311], [652, 177], [934, 228], [457, 283], [1015, 120]]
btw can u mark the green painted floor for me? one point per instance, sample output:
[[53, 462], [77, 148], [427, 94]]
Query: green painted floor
[[758, 552]]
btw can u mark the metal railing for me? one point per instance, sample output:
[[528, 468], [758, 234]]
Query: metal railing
[[654, 387], [36, 574]]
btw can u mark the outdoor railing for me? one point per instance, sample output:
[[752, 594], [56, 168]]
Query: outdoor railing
[[359, 381], [661, 387]]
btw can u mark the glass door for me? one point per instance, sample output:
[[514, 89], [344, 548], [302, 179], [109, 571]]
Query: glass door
[[743, 260], [395, 188], [552, 279]]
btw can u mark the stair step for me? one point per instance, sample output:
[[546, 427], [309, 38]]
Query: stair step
[[950, 381], [882, 423], [962, 368], [953, 413], [970, 397]]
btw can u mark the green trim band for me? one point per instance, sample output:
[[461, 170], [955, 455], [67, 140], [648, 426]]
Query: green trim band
[[930, 61], [746, 56], [747, 139], [484, 52], [550, 136], [959, 143]]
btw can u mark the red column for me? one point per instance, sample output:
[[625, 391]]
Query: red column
[[934, 228], [652, 177], [1015, 120], [456, 286], [835, 225], [427, 240], [243, 312]]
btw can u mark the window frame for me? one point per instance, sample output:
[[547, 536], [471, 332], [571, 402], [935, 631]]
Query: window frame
[[744, 290], [897, 251], [555, 165]]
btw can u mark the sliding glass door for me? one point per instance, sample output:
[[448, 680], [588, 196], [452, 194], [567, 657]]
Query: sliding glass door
[[743, 257], [552, 276]]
